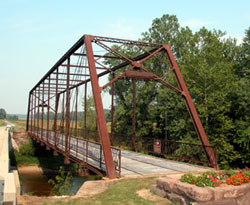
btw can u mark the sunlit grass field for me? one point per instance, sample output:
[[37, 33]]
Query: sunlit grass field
[[120, 192], [59, 123], [2, 123]]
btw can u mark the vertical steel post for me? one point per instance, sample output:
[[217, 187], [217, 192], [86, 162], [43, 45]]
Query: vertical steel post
[[43, 104], [134, 115], [96, 130], [38, 116], [109, 163], [63, 114], [191, 108], [112, 111], [85, 111], [48, 106], [67, 107], [32, 108], [76, 113], [42, 110], [56, 109], [35, 112], [28, 114]]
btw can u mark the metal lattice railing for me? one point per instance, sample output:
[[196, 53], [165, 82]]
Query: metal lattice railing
[[185, 151], [83, 150]]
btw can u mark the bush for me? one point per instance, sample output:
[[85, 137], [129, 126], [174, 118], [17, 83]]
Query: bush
[[27, 149], [62, 183], [26, 154]]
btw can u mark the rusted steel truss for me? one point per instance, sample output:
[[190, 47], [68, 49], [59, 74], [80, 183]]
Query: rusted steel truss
[[59, 91]]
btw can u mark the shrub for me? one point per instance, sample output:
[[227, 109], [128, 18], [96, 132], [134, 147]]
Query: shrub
[[62, 183]]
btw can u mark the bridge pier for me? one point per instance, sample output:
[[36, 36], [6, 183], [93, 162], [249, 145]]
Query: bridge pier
[[84, 172], [55, 153], [66, 160]]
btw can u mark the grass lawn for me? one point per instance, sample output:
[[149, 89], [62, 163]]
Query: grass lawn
[[120, 192], [21, 123], [18, 124], [2, 123]]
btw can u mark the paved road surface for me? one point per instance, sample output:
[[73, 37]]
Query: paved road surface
[[132, 163], [136, 164]]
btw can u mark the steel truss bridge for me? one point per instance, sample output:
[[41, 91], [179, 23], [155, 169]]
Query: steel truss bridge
[[56, 100]]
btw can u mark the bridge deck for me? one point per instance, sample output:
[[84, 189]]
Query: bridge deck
[[128, 163], [136, 164], [79, 150]]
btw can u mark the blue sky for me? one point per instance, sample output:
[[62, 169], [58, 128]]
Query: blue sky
[[35, 34]]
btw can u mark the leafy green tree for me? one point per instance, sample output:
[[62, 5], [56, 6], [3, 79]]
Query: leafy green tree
[[214, 69], [90, 114], [12, 117], [2, 113], [241, 102], [206, 62], [62, 183]]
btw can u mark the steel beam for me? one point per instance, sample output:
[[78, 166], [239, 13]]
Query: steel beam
[[28, 113], [112, 110], [85, 112], [56, 110], [134, 115], [48, 112], [102, 125], [67, 109], [190, 106]]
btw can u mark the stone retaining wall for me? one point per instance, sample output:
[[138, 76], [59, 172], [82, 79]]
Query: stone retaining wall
[[185, 193]]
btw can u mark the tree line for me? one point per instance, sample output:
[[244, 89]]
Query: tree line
[[4, 115]]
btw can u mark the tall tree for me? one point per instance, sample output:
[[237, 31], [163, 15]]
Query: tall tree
[[207, 67], [90, 114], [241, 102], [2, 113]]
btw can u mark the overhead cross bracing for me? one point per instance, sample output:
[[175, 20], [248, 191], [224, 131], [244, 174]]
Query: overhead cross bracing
[[56, 99]]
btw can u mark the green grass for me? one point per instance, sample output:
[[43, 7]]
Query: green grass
[[27, 160], [2, 123], [21, 123], [25, 156], [31, 153], [18, 124], [121, 192]]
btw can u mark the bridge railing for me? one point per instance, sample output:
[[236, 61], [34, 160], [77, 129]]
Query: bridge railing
[[185, 151], [182, 150], [79, 150], [92, 153]]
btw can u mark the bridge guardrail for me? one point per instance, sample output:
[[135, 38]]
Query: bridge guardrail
[[83, 150], [190, 152]]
